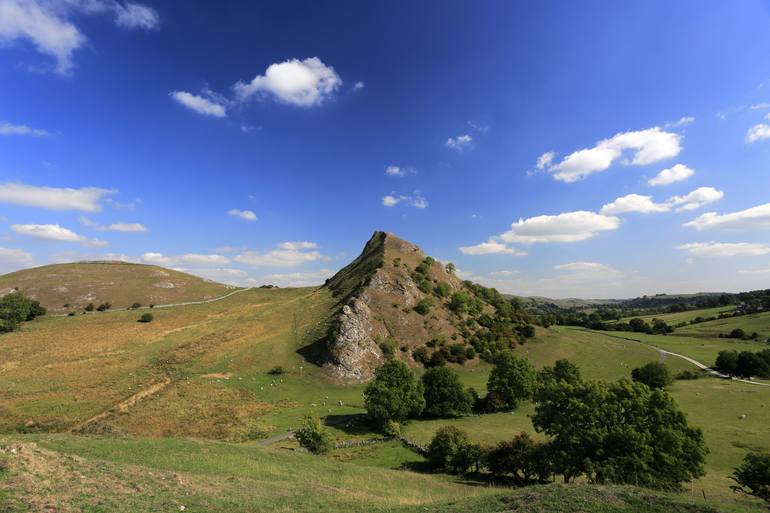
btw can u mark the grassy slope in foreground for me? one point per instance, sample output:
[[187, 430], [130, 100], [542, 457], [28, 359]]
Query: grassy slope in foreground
[[119, 283], [66, 473]]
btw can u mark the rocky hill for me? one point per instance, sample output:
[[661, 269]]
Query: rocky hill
[[119, 283], [394, 301]]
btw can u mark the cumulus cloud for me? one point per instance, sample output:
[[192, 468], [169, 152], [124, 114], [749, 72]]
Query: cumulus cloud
[[755, 218], [54, 198], [416, 200], [565, 227], [126, 227], [196, 259], [758, 133], [491, 247], [645, 146], [696, 199], [298, 279], [675, 173], [545, 160], [397, 171], [156, 259], [11, 258], [287, 254], [55, 232], [358, 86], [634, 203], [459, 143], [305, 83], [724, 249], [11, 129], [199, 104], [246, 215], [219, 274], [586, 267], [47, 24]]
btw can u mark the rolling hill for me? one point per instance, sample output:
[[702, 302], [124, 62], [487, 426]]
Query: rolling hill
[[119, 283]]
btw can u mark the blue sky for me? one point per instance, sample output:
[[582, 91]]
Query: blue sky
[[589, 149]]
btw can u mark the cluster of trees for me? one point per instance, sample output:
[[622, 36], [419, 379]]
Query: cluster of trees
[[740, 334], [623, 432], [654, 375], [753, 476], [596, 321], [16, 308], [744, 364]]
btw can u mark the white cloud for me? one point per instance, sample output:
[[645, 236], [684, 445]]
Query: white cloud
[[199, 259], [482, 129], [699, 197], [758, 133], [246, 215], [125, 227], [305, 83], [200, 104], [634, 203], [459, 143], [47, 26], [132, 16], [683, 121], [491, 247], [760, 106], [11, 129], [416, 200], [725, 249], [504, 273], [675, 173], [587, 267], [358, 86], [53, 198], [647, 147], [55, 232], [566, 227], [288, 254], [156, 259], [755, 272], [755, 218], [397, 171], [219, 274], [299, 279], [545, 160], [11, 258]]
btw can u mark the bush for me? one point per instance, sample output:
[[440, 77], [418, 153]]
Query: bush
[[442, 289], [653, 374], [727, 362], [394, 394], [135, 306], [753, 476], [513, 379], [688, 374], [522, 458], [104, 307], [424, 306], [277, 371], [444, 394], [392, 429], [312, 435], [89, 307], [146, 318], [737, 333], [451, 450], [16, 308]]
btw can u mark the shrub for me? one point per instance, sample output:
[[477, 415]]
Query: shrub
[[393, 394], [444, 394], [437, 359], [442, 289], [421, 355], [424, 306], [522, 458], [753, 476], [16, 308], [89, 307], [727, 362], [459, 302], [513, 379], [147, 317], [277, 371], [104, 307], [688, 374], [312, 435], [451, 450], [653, 374], [737, 333], [135, 306], [392, 429]]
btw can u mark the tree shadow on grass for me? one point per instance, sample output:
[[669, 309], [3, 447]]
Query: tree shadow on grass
[[351, 424]]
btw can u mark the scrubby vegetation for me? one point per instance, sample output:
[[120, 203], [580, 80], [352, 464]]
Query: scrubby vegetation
[[753, 476], [16, 308], [312, 436], [653, 374]]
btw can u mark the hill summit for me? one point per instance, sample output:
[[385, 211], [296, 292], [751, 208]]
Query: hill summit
[[395, 301]]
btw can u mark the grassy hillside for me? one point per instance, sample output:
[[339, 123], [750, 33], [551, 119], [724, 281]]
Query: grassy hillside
[[759, 322], [119, 283], [66, 473], [687, 316]]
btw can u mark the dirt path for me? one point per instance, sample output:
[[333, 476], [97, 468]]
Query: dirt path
[[663, 353], [127, 403]]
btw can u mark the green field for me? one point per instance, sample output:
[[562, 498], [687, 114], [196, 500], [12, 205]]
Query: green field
[[759, 323], [189, 395], [687, 316]]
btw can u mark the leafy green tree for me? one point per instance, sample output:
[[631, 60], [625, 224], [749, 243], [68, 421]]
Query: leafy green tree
[[312, 435], [653, 374], [753, 476], [450, 268], [727, 362], [512, 379], [562, 370], [524, 459], [444, 394], [621, 432], [393, 394], [459, 302], [442, 289], [16, 308], [424, 306], [451, 450]]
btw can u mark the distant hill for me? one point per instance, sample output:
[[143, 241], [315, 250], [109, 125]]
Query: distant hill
[[119, 283]]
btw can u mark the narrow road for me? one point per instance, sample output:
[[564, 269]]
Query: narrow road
[[276, 438], [698, 364]]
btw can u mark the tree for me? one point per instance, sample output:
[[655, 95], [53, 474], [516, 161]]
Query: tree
[[751, 364], [562, 370], [312, 435], [639, 325], [134, 306], [653, 374], [16, 308], [737, 333], [450, 268], [459, 302], [753, 476], [623, 432], [146, 317], [523, 458], [393, 394], [442, 289], [89, 307], [104, 307], [424, 306], [444, 394], [512, 379], [727, 362], [451, 450]]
